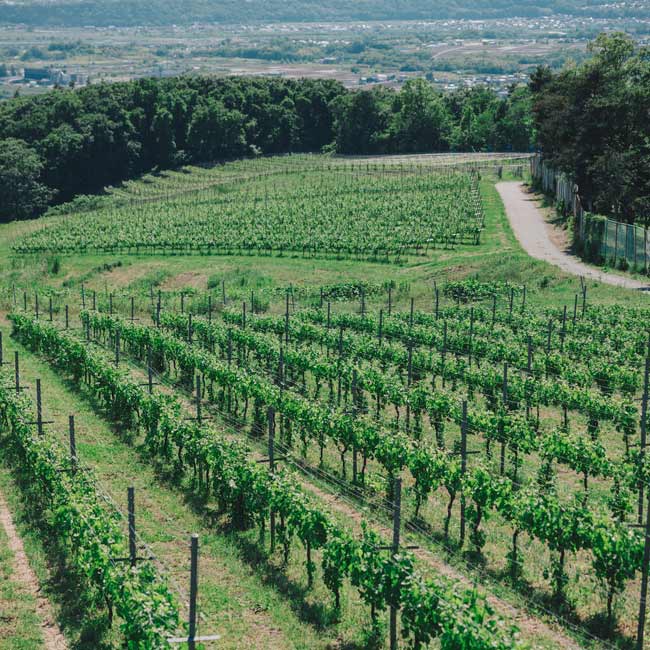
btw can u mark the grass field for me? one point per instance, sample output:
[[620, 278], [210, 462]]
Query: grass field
[[248, 594]]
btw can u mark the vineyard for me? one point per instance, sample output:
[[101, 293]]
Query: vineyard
[[449, 453], [308, 206], [513, 431]]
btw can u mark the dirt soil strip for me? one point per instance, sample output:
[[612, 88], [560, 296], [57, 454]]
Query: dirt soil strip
[[52, 637], [534, 235]]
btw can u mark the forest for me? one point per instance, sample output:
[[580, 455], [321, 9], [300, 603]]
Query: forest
[[165, 12], [50, 145]]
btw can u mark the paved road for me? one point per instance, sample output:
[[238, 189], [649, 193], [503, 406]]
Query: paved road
[[532, 232]]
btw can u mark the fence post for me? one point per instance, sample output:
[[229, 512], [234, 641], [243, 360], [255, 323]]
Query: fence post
[[471, 336], [463, 470], [149, 371], [644, 581], [73, 442], [286, 322], [133, 553], [397, 514], [271, 418], [505, 408], [198, 400], [194, 588], [39, 408], [643, 441]]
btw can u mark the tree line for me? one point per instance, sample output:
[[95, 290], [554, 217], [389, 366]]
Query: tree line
[[593, 122], [68, 142]]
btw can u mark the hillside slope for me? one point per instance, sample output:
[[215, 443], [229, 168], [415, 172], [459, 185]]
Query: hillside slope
[[160, 12]]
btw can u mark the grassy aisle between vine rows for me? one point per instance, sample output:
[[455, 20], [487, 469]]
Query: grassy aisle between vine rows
[[248, 605], [20, 626], [539, 628]]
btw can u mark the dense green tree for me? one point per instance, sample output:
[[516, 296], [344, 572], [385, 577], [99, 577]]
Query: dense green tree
[[421, 121], [216, 132], [514, 122], [592, 122], [21, 194], [362, 120], [105, 133], [164, 144]]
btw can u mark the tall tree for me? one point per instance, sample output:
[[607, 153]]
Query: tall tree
[[21, 194]]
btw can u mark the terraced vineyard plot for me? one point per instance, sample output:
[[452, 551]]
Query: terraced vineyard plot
[[377, 213]]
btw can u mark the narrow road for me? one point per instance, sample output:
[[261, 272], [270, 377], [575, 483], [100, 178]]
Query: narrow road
[[532, 231]]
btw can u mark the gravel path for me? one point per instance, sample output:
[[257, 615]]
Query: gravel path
[[532, 231]]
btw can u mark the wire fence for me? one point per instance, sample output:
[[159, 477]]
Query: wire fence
[[597, 238]]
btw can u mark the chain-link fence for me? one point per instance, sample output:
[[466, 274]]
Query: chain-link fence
[[596, 238]]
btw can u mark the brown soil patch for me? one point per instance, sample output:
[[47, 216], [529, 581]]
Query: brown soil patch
[[186, 280]]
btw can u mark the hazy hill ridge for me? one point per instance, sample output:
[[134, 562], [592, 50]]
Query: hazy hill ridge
[[166, 12]]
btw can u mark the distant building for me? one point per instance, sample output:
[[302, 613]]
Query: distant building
[[60, 78], [36, 74]]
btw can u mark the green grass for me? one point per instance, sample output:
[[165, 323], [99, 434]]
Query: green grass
[[498, 257]]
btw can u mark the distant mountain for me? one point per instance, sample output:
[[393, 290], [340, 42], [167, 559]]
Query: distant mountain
[[166, 12]]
